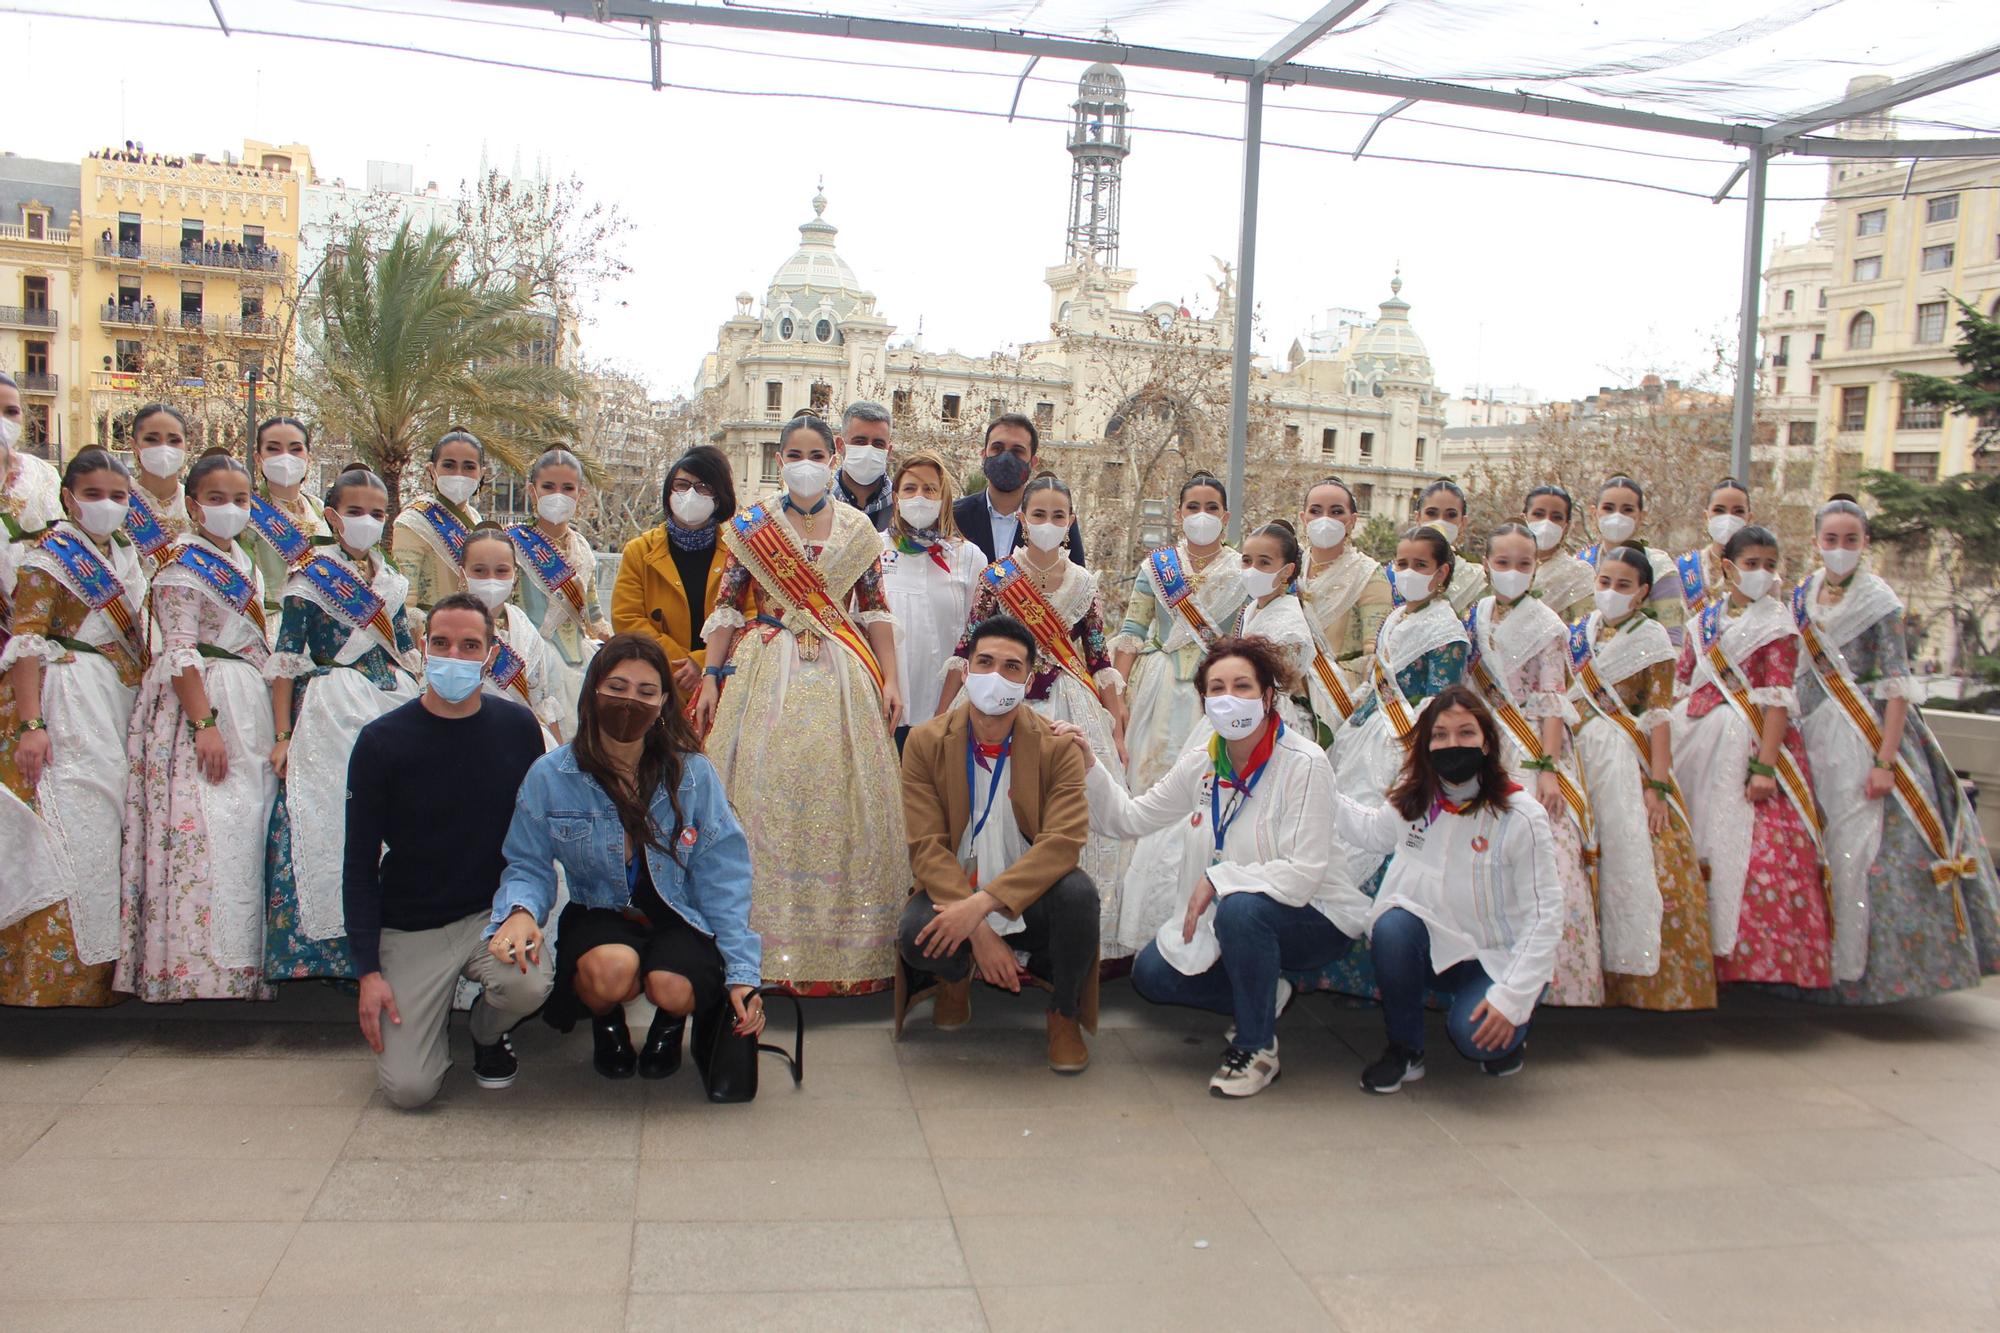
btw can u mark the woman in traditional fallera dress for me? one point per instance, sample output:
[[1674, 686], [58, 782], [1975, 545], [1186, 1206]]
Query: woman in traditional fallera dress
[[1652, 902], [343, 658], [1563, 583], [1443, 506], [1916, 910], [157, 518], [30, 493], [285, 515], [520, 671], [1345, 596], [75, 656], [1742, 766], [558, 583], [431, 529], [801, 736], [1182, 597], [1620, 514], [930, 575], [1520, 666], [1700, 570], [199, 797]]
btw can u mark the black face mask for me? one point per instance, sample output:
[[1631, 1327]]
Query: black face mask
[[1007, 472], [1458, 763]]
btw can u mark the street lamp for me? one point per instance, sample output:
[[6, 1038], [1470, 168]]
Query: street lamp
[[251, 376]]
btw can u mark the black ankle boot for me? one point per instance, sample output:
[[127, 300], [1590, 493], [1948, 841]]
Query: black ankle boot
[[613, 1056], [661, 1056]]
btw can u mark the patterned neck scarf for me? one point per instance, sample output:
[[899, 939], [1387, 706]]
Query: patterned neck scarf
[[690, 539]]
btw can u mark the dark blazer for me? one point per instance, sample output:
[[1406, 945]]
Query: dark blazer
[[976, 526]]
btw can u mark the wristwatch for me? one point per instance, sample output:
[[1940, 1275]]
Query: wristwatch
[[197, 725]]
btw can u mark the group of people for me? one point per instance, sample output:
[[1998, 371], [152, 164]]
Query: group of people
[[866, 734]]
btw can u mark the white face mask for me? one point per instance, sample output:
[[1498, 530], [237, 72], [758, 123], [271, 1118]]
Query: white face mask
[[1448, 528], [1260, 582], [1326, 533], [1548, 534], [1754, 583], [162, 460], [1234, 718], [1201, 529], [457, 487], [1046, 536], [358, 532], [10, 431], [225, 521], [1412, 586], [493, 592], [556, 508], [864, 466], [1840, 561], [1510, 583], [1613, 603], [1616, 527], [919, 511], [692, 508], [284, 469], [1721, 527], [806, 478], [101, 518], [993, 694]]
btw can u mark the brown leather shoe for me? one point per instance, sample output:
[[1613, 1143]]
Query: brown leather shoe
[[954, 1004], [1067, 1053]]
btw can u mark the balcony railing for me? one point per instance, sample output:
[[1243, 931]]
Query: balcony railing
[[28, 316], [112, 313], [252, 326], [194, 321], [207, 254], [18, 231], [36, 381]]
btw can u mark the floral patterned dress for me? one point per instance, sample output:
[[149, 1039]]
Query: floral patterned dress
[[315, 646], [1767, 901], [192, 888], [1897, 932]]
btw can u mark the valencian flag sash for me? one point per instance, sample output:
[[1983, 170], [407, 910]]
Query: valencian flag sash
[[508, 671], [292, 545], [556, 575], [143, 526], [223, 578], [351, 600], [1017, 592], [441, 528], [773, 558], [1611, 706], [1523, 732], [96, 585], [1949, 861], [1394, 705], [1694, 582], [1178, 591]]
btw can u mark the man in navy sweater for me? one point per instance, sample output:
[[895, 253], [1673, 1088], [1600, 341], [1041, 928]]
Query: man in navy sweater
[[430, 792]]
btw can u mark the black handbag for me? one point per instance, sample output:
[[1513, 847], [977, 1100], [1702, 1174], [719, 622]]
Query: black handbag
[[728, 1061]]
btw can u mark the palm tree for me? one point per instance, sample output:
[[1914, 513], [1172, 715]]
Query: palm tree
[[401, 349]]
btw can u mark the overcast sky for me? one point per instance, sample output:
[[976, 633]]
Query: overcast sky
[[1556, 284]]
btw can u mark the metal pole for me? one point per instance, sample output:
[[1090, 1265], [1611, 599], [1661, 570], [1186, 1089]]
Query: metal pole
[[1244, 295], [250, 436], [1747, 357]]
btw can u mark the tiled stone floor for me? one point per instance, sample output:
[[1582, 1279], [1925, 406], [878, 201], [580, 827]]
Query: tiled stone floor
[[1772, 1167]]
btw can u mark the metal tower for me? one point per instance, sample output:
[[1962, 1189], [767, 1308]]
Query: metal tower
[[1098, 145]]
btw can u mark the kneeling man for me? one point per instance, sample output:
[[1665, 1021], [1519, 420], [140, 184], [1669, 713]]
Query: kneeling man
[[996, 817]]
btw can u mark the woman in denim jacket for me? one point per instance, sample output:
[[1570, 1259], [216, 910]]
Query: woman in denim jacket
[[657, 867]]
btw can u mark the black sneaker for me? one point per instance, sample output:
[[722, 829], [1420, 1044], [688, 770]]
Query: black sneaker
[[495, 1066], [1507, 1065], [1398, 1065]]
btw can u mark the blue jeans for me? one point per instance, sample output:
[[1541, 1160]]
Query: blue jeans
[[1259, 936], [1401, 945]]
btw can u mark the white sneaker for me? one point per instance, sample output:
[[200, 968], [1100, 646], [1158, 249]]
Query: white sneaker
[[1284, 1002], [1245, 1073]]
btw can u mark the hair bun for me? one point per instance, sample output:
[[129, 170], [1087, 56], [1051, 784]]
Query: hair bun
[[216, 451], [1843, 495], [1284, 523]]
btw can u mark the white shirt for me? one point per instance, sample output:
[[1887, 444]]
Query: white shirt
[[1485, 884], [999, 843], [931, 606], [1006, 527], [1279, 844]]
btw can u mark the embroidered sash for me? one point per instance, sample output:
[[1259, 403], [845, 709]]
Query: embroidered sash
[[143, 526], [1017, 592], [352, 601], [1949, 861], [557, 577], [1395, 594], [95, 584], [283, 535], [508, 671], [1694, 581], [440, 529], [1589, 554], [228, 582], [1523, 731], [779, 564], [1177, 591], [1610, 705], [1329, 677], [1394, 706]]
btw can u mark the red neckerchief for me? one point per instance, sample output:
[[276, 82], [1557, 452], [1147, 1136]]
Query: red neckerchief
[[1442, 803], [987, 753]]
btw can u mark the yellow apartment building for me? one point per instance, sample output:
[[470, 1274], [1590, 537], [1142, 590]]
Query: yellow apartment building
[[40, 307]]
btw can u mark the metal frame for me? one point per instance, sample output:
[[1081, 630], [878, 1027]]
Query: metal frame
[[1279, 65]]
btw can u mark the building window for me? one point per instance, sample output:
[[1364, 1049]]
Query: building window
[[1789, 294], [774, 395], [1804, 433], [950, 412], [1780, 391], [1420, 446], [1986, 462], [1822, 298], [824, 330], [1815, 386], [1861, 332], [1917, 464], [128, 353], [35, 357], [1291, 435], [1854, 407], [1045, 416], [1364, 497], [1872, 223], [1919, 416], [35, 293], [1944, 208], [1939, 257], [899, 403], [38, 225], [1819, 346], [1784, 357], [35, 426], [774, 470], [1367, 445], [995, 407], [822, 399], [1329, 440], [1868, 269], [1930, 322], [191, 366]]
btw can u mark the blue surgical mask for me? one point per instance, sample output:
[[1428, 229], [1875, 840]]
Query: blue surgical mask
[[454, 678]]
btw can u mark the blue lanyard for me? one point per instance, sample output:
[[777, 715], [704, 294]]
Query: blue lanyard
[[993, 789], [1218, 822]]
